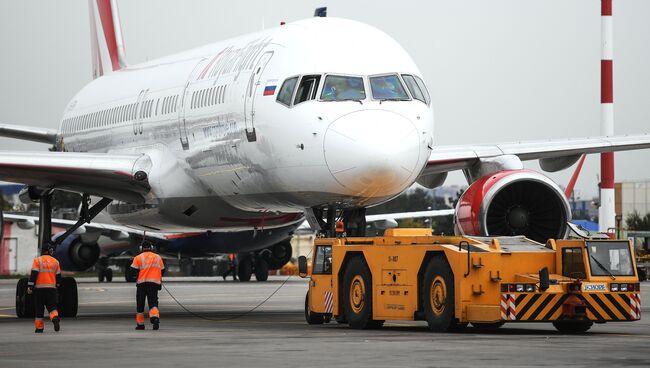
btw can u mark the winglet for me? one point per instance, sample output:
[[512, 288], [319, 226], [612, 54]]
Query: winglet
[[107, 45]]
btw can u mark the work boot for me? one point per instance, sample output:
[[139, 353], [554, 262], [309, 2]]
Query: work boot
[[155, 321], [38, 330], [57, 323], [139, 327]]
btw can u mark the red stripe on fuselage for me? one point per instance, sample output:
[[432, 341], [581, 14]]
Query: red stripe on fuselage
[[106, 17]]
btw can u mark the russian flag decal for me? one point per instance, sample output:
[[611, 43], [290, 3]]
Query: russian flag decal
[[269, 90]]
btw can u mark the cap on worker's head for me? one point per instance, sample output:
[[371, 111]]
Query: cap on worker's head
[[48, 248], [146, 244]]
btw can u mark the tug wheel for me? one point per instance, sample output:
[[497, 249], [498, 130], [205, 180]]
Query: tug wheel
[[438, 296], [572, 327], [357, 283]]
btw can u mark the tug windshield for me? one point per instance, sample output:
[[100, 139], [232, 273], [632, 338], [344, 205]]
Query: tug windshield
[[610, 258]]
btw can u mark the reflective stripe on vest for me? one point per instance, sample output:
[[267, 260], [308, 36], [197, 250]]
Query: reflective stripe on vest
[[150, 266], [48, 268]]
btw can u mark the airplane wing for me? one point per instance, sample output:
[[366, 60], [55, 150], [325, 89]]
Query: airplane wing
[[113, 231], [40, 135], [404, 215], [389, 220], [121, 177], [450, 158]]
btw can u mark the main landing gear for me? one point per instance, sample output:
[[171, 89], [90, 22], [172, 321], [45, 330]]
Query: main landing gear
[[252, 264], [68, 302]]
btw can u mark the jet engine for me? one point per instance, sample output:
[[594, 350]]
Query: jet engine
[[517, 202], [76, 255]]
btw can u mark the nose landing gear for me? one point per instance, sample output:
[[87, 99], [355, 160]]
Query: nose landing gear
[[324, 220]]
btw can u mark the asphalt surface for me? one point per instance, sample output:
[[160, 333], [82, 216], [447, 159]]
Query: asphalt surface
[[276, 335]]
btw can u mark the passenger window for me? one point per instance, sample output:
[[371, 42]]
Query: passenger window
[[286, 91], [388, 87], [307, 88], [413, 87], [342, 88], [323, 260]]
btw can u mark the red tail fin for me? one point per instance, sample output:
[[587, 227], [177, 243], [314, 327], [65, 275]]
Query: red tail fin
[[107, 46]]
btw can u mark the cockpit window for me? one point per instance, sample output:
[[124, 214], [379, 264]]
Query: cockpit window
[[387, 87], [413, 87], [424, 90], [341, 88], [286, 91], [307, 88]]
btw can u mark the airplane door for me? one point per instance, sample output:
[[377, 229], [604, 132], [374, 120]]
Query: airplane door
[[185, 101], [137, 120], [249, 99], [321, 299]]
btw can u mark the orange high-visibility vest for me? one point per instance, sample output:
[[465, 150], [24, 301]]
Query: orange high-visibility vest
[[47, 267], [150, 265]]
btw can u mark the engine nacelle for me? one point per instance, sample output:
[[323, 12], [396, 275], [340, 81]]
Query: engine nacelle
[[75, 255], [518, 202]]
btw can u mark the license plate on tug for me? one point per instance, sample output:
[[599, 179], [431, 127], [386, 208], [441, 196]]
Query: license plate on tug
[[594, 287]]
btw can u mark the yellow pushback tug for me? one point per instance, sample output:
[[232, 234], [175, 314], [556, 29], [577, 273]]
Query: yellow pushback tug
[[451, 281]]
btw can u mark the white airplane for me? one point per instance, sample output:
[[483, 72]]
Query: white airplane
[[319, 118]]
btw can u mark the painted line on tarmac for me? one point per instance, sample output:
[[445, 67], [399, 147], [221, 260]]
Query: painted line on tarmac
[[6, 315], [6, 308]]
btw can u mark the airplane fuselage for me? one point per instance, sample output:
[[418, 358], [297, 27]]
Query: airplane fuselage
[[233, 147]]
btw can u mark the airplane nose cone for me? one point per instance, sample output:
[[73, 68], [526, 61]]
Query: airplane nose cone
[[373, 152]]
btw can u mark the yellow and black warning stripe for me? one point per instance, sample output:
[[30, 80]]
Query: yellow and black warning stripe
[[599, 306], [607, 306], [539, 307]]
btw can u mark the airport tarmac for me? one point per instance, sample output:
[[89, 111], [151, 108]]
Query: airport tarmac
[[276, 334]]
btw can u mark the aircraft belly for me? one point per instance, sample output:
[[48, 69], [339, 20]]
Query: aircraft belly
[[196, 213]]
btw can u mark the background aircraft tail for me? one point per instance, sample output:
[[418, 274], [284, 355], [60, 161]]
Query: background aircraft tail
[[106, 43]]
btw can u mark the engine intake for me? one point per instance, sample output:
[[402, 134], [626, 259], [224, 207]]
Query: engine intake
[[518, 202]]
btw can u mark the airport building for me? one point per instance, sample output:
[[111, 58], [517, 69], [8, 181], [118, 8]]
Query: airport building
[[632, 196]]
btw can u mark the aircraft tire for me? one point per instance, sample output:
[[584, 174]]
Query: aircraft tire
[[245, 269], [129, 275], [261, 269], [68, 297], [24, 302], [100, 275], [109, 275]]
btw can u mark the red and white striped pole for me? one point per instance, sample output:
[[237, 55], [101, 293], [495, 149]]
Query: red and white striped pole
[[606, 213]]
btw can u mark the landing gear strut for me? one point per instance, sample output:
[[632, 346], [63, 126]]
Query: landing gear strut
[[68, 296], [354, 220]]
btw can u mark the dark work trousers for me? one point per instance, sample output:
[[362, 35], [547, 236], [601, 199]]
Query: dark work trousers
[[45, 297], [147, 290]]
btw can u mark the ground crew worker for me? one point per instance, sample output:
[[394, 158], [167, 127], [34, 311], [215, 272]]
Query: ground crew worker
[[45, 278], [149, 266], [233, 266]]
